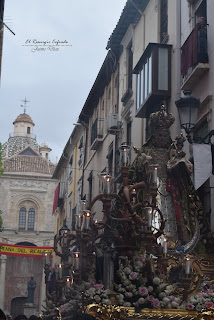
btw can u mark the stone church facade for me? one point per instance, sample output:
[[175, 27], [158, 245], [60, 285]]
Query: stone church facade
[[26, 198]]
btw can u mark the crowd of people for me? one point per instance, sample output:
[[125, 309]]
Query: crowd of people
[[34, 317], [3, 316]]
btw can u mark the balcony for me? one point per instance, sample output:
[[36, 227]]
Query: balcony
[[153, 78], [114, 125], [63, 189], [194, 57], [97, 134]]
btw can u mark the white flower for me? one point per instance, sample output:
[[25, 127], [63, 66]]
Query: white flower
[[193, 300], [174, 304], [91, 291], [119, 296], [170, 287], [139, 264], [127, 304], [127, 270], [128, 295], [127, 283], [150, 288], [97, 298], [106, 301], [162, 295], [156, 280], [141, 301], [162, 286], [166, 300], [177, 300]]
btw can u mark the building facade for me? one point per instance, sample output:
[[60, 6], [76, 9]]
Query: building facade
[[26, 195]]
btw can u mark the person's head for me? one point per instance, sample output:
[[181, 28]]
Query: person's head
[[2, 315], [33, 317], [21, 317]]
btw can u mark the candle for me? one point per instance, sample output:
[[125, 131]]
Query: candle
[[76, 261], [83, 222], [149, 217], [87, 219], [68, 282], [187, 266], [108, 182], [47, 258], [155, 175], [124, 156], [60, 271], [165, 246], [134, 196]]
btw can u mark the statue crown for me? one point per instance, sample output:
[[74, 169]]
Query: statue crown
[[162, 119]]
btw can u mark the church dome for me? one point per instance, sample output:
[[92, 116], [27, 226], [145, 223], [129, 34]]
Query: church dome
[[24, 117]]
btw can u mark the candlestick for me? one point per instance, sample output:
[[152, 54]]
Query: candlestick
[[187, 266]]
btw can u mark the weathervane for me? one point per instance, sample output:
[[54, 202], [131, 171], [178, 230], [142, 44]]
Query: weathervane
[[25, 104]]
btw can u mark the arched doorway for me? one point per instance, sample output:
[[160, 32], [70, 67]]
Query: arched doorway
[[17, 306]]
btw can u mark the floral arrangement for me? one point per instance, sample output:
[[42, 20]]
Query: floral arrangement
[[138, 289], [97, 294], [202, 300]]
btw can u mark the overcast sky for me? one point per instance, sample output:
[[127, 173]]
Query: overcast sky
[[56, 82]]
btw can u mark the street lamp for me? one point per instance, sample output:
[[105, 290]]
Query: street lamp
[[188, 110]]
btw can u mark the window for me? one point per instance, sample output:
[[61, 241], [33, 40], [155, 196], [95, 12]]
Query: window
[[109, 93], [130, 65], [163, 19], [81, 152], [144, 82], [110, 159], [201, 12], [71, 168], [31, 216], [28, 130], [153, 78], [69, 211], [22, 219], [90, 180], [26, 216], [129, 133]]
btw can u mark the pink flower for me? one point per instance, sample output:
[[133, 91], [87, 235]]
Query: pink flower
[[156, 303], [209, 304], [172, 298], [142, 258], [190, 307], [133, 275], [93, 282], [143, 291], [98, 286], [150, 298], [200, 294]]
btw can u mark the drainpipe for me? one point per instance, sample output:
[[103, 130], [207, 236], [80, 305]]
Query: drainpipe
[[177, 61]]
